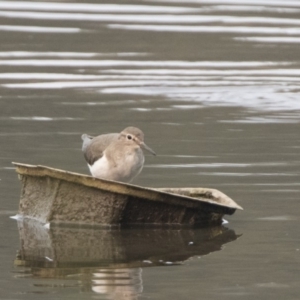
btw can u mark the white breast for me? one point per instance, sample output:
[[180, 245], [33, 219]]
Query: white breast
[[100, 168]]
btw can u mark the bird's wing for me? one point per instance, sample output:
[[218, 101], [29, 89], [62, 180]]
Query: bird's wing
[[93, 148]]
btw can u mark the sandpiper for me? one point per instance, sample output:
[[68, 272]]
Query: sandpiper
[[115, 156]]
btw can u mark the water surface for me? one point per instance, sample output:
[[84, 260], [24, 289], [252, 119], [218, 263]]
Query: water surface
[[214, 85]]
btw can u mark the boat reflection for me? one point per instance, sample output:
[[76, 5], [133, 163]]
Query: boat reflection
[[110, 261]]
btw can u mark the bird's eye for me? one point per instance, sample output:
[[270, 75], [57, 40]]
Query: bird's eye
[[129, 137]]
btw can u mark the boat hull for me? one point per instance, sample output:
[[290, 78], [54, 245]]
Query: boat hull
[[59, 197]]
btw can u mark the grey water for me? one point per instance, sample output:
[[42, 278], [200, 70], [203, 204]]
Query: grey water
[[215, 87]]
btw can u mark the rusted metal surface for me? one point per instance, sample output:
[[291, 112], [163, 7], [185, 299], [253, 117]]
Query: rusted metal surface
[[56, 196]]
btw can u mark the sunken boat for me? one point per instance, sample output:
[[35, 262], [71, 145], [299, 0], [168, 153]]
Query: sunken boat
[[54, 197]]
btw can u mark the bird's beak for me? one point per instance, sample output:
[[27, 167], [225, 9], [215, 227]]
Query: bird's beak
[[145, 147]]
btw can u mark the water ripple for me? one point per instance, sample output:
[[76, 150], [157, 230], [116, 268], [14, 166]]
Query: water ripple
[[210, 29], [268, 39], [89, 7], [264, 85], [18, 54], [39, 29]]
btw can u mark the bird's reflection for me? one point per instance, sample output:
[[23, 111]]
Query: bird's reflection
[[118, 283], [109, 262]]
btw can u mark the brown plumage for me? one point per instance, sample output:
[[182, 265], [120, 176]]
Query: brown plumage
[[116, 156]]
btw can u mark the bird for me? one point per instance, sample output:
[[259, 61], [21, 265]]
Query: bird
[[116, 156]]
